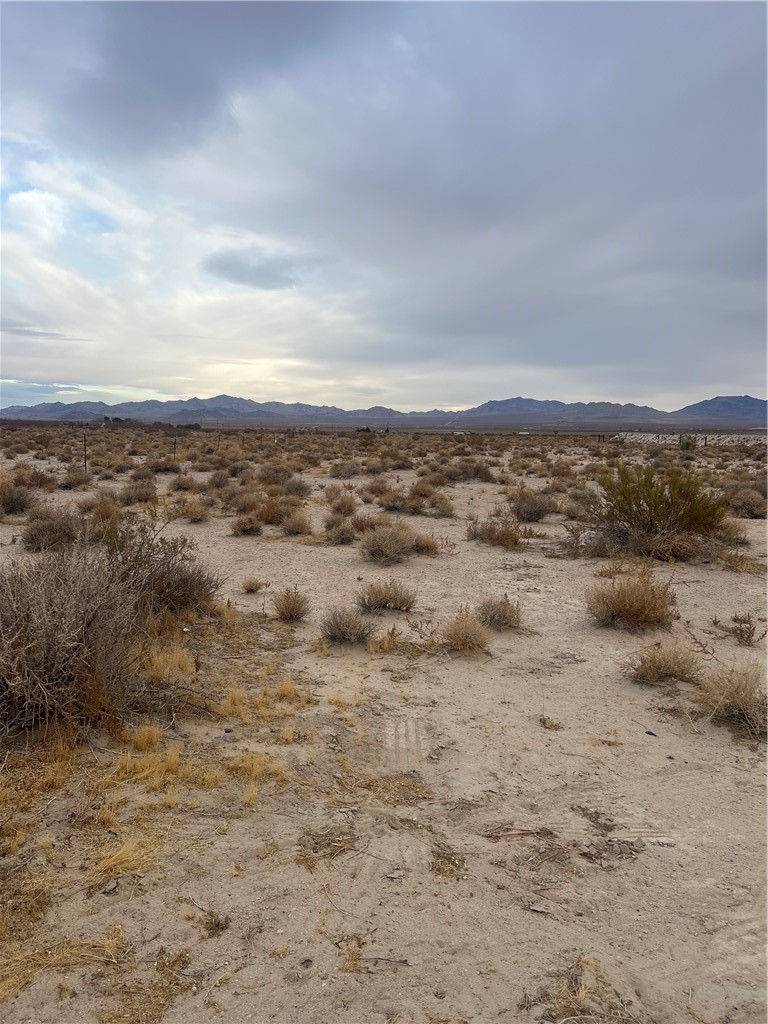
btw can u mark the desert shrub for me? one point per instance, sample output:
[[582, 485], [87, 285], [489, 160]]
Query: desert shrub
[[75, 477], [272, 511], [243, 502], [197, 511], [14, 499], [50, 528], [393, 596], [500, 529], [422, 489], [345, 470], [531, 506], [638, 504], [104, 518], [425, 545], [660, 662], [298, 487], [339, 531], [252, 585], [499, 613], [345, 505], [393, 500], [296, 524], [291, 605], [25, 475], [183, 482], [274, 473], [362, 522], [346, 626], [246, 526], [331, 492], [138, 492], [465, 632], [736, 694], [163, 466], [144, 472], [69, 632], [442, 506], [746, 503], [219, 478], [388, 543], [163, 570], [633, 602]]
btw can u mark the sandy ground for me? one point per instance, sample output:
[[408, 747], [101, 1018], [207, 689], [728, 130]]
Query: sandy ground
[[457, 829]]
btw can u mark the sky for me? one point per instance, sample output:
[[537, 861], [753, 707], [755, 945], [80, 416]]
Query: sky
[[417, 205]]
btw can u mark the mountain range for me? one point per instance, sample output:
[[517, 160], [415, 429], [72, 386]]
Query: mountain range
[[724, 411]]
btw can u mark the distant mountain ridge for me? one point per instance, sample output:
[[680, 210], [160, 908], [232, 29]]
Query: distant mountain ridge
[[725, 410]]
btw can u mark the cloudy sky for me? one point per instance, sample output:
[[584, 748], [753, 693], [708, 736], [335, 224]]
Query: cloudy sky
[[416, 205]]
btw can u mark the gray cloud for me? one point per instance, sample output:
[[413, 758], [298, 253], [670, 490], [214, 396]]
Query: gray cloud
[[254, 269], [502, 187]]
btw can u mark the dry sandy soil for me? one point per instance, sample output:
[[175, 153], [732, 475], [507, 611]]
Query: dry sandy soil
[[519, 834]]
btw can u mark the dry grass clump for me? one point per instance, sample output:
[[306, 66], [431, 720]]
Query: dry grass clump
[[75, 477], [196, 510], [167, 663], [736, 695], [296, 524], [388, 543], [746, 503], [15, 500], [291, 605], [660, 662], [465, 632], [391, 596], [346, 626], [50, 528], [298, 488], [499, 613], [246, 526], [633, 602], [345, 505], [252, 585], [23, 964], [531, 506], [339, 529], [138, 492], [500, 529]]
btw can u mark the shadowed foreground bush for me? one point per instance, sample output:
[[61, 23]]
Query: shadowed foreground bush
[[634, 602], [74, 624], [70, 635]]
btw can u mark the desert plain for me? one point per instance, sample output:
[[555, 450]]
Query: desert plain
[[436, 823]]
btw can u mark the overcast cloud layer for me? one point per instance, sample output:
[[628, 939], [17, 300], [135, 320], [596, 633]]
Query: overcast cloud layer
[[415, 205]]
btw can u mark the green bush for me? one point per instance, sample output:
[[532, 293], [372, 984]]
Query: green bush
[[638, 504]]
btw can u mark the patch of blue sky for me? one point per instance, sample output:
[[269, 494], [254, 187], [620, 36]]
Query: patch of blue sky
[[86, 247]]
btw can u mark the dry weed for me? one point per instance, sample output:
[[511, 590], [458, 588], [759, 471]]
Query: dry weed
[[634, 602], [465, 632]]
